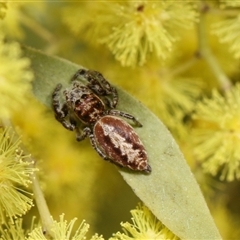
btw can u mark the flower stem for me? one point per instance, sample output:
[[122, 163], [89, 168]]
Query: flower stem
[[42, 205], [206, 53]]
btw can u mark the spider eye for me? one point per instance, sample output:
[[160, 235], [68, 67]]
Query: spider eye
[[84, 96]]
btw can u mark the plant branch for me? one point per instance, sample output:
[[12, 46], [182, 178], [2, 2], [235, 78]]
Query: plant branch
[[206, 53], [183, 67], [37, 28], [42, 205]]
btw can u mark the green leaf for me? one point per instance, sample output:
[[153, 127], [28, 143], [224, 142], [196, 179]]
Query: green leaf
[[170, 191]]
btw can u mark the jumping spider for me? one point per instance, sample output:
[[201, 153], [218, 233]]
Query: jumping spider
[[90, 111]]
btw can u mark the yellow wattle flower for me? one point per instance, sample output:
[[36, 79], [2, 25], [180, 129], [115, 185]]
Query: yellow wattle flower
[[144, 226], [63, 230], [132, 31], [14, 176], [217, 134], [15, 78]]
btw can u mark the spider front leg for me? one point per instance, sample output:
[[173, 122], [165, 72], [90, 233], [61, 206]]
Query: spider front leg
[[114, 112], [99, 85], [61, 110]]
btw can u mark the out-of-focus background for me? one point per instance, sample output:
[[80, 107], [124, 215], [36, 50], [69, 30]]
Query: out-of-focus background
[[181, 60]]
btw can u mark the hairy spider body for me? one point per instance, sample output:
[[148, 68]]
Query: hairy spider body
[[89, 110]]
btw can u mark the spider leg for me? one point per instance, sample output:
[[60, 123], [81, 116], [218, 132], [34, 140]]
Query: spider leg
[[115, 112], [95, 146], [102, 87], [88, 132], [99, 85], [61, 110], [83, 134], [79, 73]]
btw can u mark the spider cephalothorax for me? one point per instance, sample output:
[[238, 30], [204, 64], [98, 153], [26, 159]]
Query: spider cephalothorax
[[90, 111]]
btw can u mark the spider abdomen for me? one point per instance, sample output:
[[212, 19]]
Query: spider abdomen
[[120, 143]]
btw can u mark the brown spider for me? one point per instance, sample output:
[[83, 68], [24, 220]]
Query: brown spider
[[90, 111]]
